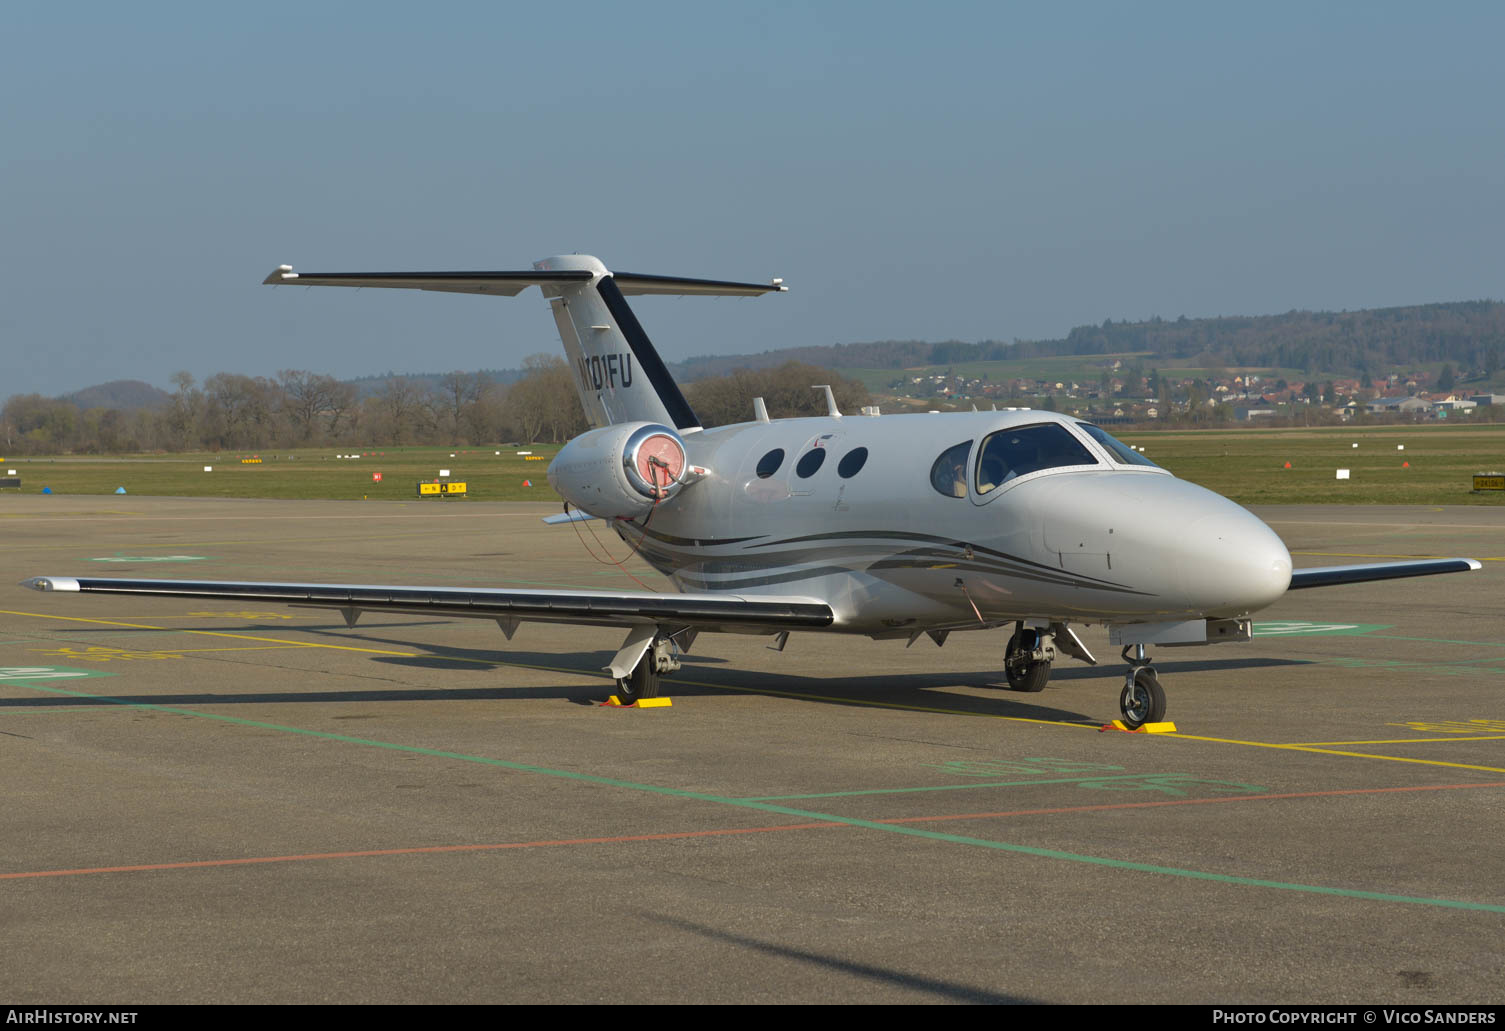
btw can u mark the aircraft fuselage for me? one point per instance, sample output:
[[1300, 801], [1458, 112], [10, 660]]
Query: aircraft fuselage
[[896, 545]]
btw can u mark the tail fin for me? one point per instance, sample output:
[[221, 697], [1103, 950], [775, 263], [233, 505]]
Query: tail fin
[[618, 373]]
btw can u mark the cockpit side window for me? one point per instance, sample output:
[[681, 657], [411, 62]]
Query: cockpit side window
[[949, 473], [1120, 452], [1009, 454]]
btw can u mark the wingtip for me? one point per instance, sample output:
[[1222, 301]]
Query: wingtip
[[50, 583], [280, 274]]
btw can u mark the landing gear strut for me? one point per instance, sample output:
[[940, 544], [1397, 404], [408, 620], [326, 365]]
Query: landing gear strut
[[642, 682], [1026, 661], [1142, 699]]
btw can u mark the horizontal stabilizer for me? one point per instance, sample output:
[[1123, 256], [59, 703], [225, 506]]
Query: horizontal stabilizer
[[1329, 576], [507, 284], [599, 608], [510, 284], [635, 283]]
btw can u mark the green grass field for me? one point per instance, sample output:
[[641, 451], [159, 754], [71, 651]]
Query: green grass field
[[1247, 465], [305, 473]]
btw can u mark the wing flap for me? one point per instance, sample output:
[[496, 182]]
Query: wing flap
[[1330, 576], [603, 608]]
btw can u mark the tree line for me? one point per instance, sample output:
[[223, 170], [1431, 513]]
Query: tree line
[[298, 408]]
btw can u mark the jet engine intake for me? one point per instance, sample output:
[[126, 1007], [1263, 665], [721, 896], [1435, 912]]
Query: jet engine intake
[[620, 471]]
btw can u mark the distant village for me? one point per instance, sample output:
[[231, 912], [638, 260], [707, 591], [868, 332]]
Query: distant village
[[1121, 394]]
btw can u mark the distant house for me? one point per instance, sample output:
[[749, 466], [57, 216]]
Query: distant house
[[1399, 404], [1249, 414]]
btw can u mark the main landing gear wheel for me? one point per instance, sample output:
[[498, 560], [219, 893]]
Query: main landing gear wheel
[[1143, 699], [1024, 673], [641, 683]]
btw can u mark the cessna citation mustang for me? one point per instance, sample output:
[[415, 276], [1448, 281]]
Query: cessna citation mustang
[[891, 527]]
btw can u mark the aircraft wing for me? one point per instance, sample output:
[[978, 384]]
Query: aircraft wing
[[1329, 576], [508, 607]]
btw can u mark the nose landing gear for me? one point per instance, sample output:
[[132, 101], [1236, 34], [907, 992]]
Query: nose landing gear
[[1142, 699]]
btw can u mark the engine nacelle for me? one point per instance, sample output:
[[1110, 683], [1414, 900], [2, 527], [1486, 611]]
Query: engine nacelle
[[622, 470]]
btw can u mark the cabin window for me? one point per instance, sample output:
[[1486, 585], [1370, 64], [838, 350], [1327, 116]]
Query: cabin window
[[1117, 450], [851, 463], [1011, 453], [769, 463], [949, 473], [810, 462]]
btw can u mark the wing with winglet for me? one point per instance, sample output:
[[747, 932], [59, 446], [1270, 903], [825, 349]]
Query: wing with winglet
[[1331, 576], [702, 611]]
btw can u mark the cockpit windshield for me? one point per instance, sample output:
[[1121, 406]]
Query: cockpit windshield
[[1120, 452], [1018, 451]]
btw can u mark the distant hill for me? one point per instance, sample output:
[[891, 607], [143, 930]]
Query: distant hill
[[123, 394], [366, 386], [1470, 334]]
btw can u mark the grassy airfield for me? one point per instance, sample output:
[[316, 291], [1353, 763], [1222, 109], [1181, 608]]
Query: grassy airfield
[[308, 473], [1247, 465]]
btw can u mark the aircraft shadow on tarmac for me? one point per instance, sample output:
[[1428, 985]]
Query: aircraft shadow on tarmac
[[929, 690], [948, 990]]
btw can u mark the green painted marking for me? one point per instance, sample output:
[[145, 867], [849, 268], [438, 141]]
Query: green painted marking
[[1298, 628], [1165, 783], [1460, 668], [151, 558], [942, 787], [995, 767], [804, 814], [1442, 640], [12, 674]]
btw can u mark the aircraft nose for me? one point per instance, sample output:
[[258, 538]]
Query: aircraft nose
[[1183, 550], [1228, 561]]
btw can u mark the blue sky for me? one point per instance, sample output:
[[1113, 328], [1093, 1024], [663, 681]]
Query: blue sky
[[962, 171]]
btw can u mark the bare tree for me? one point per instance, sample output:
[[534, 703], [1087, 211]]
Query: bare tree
[[459, 391], [403, 405], [544, 405], [306, 396]]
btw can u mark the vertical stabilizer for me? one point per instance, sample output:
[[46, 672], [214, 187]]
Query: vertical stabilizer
[[617, 371]]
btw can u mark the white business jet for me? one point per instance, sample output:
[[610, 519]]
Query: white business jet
[[883, 526]]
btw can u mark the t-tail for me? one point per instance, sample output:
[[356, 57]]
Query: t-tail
[[619, 374]]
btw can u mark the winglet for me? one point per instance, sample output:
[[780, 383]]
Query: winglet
[[280, 274]]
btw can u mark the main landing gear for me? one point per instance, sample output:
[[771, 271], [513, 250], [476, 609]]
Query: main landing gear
[[1026, 661], [657, 660], [1142, 699]]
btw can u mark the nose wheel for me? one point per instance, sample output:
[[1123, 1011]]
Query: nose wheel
[[1142, 699]]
